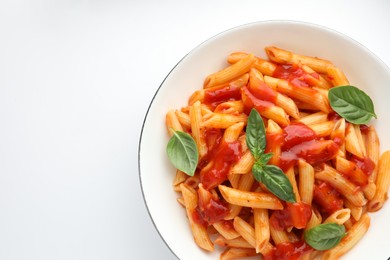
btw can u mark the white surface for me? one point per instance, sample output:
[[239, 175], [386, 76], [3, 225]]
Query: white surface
[[76, 78], [188, 76]]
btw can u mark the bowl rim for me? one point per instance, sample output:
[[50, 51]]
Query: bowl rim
[[198, 46]]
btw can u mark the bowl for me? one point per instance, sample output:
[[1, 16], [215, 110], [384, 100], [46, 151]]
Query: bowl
[[361, 66]]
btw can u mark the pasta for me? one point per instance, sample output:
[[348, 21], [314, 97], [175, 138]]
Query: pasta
[[335, 168]]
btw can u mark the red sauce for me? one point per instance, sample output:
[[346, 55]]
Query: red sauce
[[301, 142], [251, 101], [364, 129], [293, 215], [215, 96], [212, 211], [198, 219], [327, 198], [297, 133], [296, 75], [333, 116], [288, 251], [365, 164], [222, 157], [263, 92]]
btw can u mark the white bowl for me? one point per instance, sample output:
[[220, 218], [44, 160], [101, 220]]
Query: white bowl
[[361, 66]]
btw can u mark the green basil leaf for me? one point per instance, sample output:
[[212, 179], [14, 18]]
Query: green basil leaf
[[275, 180], [264, 158], [324, 236], [183, 152], [255, 134], [352, 104]]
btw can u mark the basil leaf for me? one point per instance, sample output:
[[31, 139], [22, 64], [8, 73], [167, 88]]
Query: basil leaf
[[324, 236], [275, 180], [255, 134], [264, 158], [183, 152], [352, 104]]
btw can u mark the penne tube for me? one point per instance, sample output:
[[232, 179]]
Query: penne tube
[[244, 164], [342, 185], [172, 122], [230, 107], [265, 67], [226, 229], [232, 133], [238, 242], [197, 129], [372, 147], [245, 230], [179, 178], [278, 236], [382, 183], [352, 142], [245, 183], [265, 108], [338, 134], [233, 71], [306, 181], [353, 236], [274, 133], [262, 233], [336, 76], [317, 79], [306, 95], [291, 177], [315, 118], [219, 120], [351, 171], [184, 119], [250, 199], [288, 105], [339, 217], [356, 211], [282, 56], [314, 220], [323, 129], [369, 190], [237, 253], [199, 231]]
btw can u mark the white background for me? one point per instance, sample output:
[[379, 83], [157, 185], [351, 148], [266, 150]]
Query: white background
[[76, 79]]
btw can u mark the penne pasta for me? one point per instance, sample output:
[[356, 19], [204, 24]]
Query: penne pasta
[[282, 56], [354, 234], [250, 199], [382, 183], [233, 71], [199, 232], [306, 181], [327, 169]]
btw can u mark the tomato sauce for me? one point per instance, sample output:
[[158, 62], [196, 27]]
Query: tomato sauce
[[222, 158], [365, 164], [295, 75], [327, 198], [251, 101], [288, 251], [215, 96], [263, 92], [293, 215], [212, 211], [301, 142]]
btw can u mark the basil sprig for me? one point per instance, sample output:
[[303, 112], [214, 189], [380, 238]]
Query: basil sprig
[[183, 152], [352, 104], [324, 236], [271, 176]]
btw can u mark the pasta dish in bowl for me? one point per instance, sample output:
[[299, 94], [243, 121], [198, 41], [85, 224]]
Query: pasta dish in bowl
[[272, 144]]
